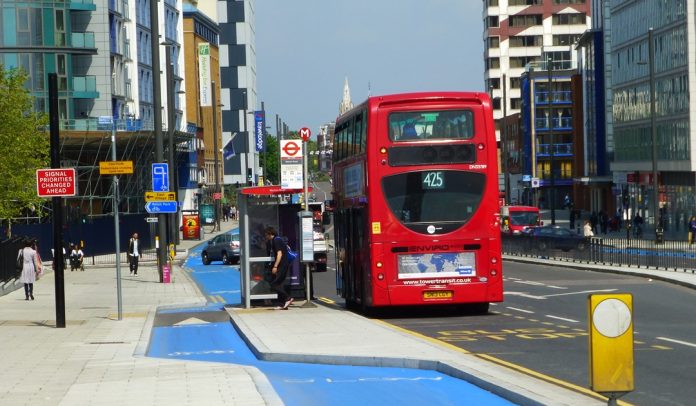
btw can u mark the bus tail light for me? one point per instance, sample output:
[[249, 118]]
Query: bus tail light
[[379, 264], [494, 260], [380, 276], [494, 272]]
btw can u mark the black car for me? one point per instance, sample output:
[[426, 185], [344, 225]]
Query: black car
[[555, 237], [224, 247]]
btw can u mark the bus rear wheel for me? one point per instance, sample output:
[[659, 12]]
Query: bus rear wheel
[[476, 308]]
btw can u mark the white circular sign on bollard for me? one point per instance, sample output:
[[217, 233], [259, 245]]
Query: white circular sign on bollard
[[612, 318]]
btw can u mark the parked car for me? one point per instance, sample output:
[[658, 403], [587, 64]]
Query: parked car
[[555, 237], [224, 247]]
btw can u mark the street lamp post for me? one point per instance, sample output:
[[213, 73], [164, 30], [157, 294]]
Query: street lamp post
[[216, 163], [171, 124], [552, 195], [246, 140], [653, 133]]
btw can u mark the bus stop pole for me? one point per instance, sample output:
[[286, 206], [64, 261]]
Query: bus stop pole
[[305, 202]]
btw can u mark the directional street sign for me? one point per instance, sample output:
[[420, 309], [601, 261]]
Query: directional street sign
[[159, 196], [160, 177], [161, 207]]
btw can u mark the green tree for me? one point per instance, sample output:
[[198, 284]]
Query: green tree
[[270, 158], [24, 145]]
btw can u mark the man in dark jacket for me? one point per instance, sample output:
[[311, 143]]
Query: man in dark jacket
[[133, 254], [278, 251]]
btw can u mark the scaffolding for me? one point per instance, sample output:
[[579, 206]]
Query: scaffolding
[[84, 149]]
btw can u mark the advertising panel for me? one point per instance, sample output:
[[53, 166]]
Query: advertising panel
[[192, 228], [204, 74], [259, 126], [440, 265]]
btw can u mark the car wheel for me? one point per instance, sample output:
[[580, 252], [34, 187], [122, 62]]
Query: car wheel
[[235, 260], [205, 259], [225, 259]]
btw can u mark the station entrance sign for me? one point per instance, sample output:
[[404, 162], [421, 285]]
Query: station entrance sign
[[56, 182]]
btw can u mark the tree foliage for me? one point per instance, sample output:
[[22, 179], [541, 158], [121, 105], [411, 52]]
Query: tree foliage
[[24, 145]]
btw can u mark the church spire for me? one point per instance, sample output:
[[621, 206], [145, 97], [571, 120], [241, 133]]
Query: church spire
[[346, 103]]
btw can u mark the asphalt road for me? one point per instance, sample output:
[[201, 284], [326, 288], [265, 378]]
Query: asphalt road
[[542, 327]]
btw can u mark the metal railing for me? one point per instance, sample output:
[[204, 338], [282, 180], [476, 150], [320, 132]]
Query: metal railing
[[640, 253], [9, 249]]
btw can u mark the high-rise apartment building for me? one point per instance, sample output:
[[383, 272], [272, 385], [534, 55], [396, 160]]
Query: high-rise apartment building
[[238, 87], [521, 36], [518, 32]]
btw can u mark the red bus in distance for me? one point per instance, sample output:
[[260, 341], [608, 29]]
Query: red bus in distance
[[416, 194]]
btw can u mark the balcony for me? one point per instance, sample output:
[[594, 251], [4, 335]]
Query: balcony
[[559, 97], [85, 87], [559, 150], [83, 40], [93, 124], [82, 5], [559, 123]]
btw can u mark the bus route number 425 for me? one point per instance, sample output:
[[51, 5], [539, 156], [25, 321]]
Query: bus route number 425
[[433, 180]]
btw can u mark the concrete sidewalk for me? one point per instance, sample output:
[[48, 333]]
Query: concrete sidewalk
[[338, 337], [98, 360]]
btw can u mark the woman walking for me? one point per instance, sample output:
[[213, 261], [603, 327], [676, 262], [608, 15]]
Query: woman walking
[[29, 267]]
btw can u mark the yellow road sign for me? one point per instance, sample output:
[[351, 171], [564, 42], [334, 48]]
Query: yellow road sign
[[116, 167], [159, 196]]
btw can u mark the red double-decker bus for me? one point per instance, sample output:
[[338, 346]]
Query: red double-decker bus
[[416, 191]]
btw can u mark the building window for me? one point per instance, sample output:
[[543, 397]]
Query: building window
[[492, 3], [29, 27], [60, 28], [526, 41], [528, 20], [522, 61], [494, 83], [496, 103], [492, 21], [514, 83], [569, 19], [565, 39], [515, 103], [62, 71], [493, 42], [493, 63]]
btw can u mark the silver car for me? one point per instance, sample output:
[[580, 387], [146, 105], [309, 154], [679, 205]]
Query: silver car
[[224, 247]]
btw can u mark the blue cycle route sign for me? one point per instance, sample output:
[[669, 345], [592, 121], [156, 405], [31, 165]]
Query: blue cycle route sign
[[160, 177], [161, 207]]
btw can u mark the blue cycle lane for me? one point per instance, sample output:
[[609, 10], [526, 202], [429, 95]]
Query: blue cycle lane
[[297, 383]]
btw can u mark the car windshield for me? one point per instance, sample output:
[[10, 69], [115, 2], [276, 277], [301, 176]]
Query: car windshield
[[523, 218]]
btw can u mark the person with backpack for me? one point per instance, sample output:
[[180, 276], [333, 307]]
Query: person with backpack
[[280, 264]]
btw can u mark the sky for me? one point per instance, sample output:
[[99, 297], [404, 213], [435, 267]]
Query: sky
[[306, 48]]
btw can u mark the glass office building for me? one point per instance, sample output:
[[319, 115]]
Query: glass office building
[[630, 78]]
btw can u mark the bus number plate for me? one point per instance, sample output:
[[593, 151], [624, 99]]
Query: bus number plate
[[438, 294]]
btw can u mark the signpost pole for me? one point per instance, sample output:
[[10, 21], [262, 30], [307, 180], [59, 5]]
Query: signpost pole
[[57, 202], [117, 232], [305, 133]]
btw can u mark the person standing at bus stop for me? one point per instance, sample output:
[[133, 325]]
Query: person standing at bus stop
[[278, 251], [133, 254]]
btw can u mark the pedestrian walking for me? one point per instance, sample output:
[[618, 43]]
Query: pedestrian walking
[[603, 221], [29, 267], [133, 254], [692, 229], [587, 229], [278, 251], [638, 225], [594, 219]]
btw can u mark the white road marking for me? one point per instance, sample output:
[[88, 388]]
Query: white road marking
[[520, 310], [580, 293], [512, 279], [562, 318], [671, 340], [556, 287], [522, 294], [530, 283]]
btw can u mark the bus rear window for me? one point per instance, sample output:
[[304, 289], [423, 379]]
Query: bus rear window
[[434, 196], [431, 125]]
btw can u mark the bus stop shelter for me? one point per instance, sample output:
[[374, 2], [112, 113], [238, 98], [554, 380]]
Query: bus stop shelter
[[260, 207]]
